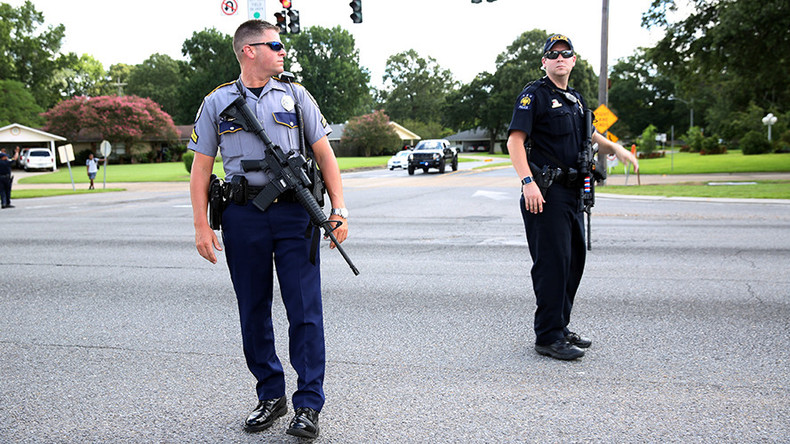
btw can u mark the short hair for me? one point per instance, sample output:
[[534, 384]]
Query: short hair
[[251, 29]]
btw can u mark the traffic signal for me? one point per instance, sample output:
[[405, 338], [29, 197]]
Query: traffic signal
[[476, 1], [356, 7], [293, 18], [280, 17], [286, 4]]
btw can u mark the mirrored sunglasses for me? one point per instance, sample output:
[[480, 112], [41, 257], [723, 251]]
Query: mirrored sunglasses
[[566, 54]]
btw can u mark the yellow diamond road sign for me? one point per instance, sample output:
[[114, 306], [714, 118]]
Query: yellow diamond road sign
[[604, 119]]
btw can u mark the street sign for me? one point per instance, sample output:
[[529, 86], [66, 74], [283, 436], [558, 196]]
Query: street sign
[[66, 153], [229, 7], [604, 119], [256, 9], [105, 147], [612, 137]]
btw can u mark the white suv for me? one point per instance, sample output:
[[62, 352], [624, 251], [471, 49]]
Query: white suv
[[36, 158]]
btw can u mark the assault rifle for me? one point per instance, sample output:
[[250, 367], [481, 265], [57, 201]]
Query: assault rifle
[[589, 171], [289, 173]]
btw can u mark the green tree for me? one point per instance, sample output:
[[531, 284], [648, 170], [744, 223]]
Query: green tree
[[17, 105], [27, 52], [415, 88], [117, 79], [372, 134], [640, 96], [487, 102], [710, 54], [430, 130], [78, 76], [211, 62], [158, 78], [326, 62]]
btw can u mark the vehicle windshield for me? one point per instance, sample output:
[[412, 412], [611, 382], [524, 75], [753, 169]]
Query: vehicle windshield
[[428, 146], [403, 153]]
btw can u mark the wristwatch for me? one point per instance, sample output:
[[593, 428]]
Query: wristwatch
[[526, 180], [342, 212]]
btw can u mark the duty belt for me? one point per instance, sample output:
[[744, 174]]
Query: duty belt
[[548, 175], [570, 178]]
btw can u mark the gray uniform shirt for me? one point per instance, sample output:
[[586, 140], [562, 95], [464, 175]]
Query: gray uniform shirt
[[274, 109]]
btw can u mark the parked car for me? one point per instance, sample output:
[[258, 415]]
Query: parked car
[[433, 153], [21, 159], [38, 158], [399, 160]]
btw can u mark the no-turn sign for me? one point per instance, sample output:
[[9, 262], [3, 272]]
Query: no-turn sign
[[229, 7]]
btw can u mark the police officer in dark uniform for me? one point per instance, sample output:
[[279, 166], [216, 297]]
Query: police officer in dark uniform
[[547, 133], [6, 177], [253, 237]]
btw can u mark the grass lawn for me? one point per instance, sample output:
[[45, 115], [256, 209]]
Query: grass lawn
[[140, 172], [759, 190], [22, 194], [694, 163], [169, 171]]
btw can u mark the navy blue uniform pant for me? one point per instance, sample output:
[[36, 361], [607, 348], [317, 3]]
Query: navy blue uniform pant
[[5, 189], [253, 238], [556, 244]]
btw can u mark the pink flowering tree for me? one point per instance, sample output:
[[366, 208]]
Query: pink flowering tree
[[371, 134], [128, 119]]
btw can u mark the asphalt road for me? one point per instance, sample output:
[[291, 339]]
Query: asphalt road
[[113, 329]]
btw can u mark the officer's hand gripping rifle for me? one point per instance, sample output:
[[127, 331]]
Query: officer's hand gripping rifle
[[589, 171], [288, 173]]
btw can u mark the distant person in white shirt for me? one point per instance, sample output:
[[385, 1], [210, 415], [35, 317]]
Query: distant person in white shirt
[[93, 168]]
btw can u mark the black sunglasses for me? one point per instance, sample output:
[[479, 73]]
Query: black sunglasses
[[566, 54], [275, 46]]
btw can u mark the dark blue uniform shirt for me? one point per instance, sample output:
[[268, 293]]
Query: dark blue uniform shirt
[[553, 120]]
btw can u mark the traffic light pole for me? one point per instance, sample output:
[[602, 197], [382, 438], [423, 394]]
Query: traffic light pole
[[603, 77]]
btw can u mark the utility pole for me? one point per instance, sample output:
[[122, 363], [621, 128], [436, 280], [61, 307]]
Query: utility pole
[[603, 77]]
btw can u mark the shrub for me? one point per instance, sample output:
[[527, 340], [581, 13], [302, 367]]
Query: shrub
[[754, 142], [647, 141], [177, 151], [711, 145], [783, 144], [188, 157], [694, 139], [371, 134]]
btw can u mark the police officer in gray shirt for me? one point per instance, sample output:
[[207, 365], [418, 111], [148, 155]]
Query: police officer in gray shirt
[[252, 237]]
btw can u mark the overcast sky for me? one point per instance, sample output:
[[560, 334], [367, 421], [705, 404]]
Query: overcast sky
[[463, 37]]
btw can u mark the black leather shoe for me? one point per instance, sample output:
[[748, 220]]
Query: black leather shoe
[[578, 340], [264, 415], [304, 424], [560, 349]]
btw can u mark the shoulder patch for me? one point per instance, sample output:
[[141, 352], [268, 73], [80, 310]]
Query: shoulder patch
[[525, 100], [194, 136]]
